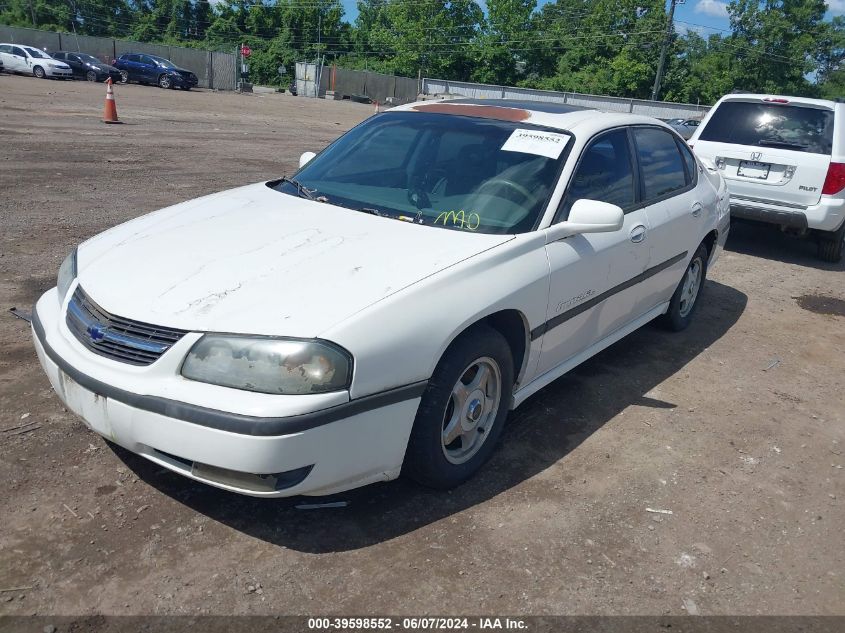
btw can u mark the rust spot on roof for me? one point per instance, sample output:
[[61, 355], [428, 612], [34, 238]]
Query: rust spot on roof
[[482, 111]]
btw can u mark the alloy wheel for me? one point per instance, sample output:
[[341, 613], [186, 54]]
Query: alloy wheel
[[471, 410]]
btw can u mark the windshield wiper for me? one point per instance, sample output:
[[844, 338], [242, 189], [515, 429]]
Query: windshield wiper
[[372, 211], [784, 144], [301, 189]]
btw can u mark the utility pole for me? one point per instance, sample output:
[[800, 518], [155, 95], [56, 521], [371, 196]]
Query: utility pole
[[662, 63]]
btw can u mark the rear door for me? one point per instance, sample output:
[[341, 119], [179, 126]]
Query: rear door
[[147, 68], [75, 64], [19, 60], [770, 151], [677, 208]]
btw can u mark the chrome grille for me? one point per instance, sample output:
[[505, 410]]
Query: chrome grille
[[115, 337]]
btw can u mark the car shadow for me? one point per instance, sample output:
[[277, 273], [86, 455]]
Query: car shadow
[[546, 428], [767, 241]]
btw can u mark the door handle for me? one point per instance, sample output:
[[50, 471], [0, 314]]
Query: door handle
[[696, 209], [637, 234]]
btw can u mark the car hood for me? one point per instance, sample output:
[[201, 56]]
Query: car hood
[[253, 260], [104, 67]]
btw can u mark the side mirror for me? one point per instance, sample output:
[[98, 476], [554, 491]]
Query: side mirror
[[306, 158], [587, 216]]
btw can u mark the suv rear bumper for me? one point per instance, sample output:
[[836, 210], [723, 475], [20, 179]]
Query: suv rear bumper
[[827, 215]]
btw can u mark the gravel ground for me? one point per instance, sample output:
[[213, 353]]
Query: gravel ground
[[735, 425]]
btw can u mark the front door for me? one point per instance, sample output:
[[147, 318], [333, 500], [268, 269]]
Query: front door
[[593, 288]]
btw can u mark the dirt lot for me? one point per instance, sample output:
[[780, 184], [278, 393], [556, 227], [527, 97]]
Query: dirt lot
[[737, 425]]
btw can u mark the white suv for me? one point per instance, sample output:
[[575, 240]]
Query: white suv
[[32, 61], [784, 162]]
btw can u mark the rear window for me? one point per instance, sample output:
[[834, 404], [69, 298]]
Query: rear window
[[795, 128]]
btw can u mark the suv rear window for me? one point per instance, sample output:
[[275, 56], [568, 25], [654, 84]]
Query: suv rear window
[[795, 128]]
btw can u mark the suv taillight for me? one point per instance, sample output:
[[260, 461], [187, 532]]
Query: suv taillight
[[835, 181]]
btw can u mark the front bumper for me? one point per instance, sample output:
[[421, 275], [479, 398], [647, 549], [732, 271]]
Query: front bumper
[[58, 73], [321, 452], [181, 80]]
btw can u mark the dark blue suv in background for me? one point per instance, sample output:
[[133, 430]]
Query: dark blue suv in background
[[151, 69]]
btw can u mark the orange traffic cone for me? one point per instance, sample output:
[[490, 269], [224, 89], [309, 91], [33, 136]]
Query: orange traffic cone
[[110, 110]]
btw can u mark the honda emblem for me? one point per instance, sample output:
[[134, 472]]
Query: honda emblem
[[756, 155]]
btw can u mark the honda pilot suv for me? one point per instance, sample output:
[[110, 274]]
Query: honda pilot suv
[[784, 162]]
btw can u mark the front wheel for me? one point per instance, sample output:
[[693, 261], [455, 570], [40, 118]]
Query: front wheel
[[91, 75], [164, 82], [462, 411], [39, 72], [685, 300], [124, 77]]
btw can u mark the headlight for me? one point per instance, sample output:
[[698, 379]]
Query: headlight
[[269, 365], [67, 273]]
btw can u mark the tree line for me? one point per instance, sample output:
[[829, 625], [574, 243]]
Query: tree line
[[606, 47]]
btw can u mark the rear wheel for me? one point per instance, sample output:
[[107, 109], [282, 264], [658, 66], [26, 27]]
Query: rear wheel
[[831, 245], [39, 72], [462, 411], [91, 75], [685, 300]]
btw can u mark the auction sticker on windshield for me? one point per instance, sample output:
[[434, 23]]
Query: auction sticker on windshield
[[549, 144]]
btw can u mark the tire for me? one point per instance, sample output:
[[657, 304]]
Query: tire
[[831, 245], [686, 297], [124, 77], [39, 72], [91, 75], [432, 458], [164, 82]]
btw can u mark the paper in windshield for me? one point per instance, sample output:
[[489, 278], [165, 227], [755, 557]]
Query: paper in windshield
[[539, 142]]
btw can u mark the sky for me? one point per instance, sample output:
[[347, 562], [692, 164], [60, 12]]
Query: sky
[[704, 16]]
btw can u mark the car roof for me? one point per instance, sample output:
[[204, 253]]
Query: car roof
[[560, 116], [750, 97]]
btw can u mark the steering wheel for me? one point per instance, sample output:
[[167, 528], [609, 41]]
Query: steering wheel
[[522, 191]]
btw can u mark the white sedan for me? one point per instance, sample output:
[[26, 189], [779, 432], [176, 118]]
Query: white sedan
[[382, 311], [29, 60]]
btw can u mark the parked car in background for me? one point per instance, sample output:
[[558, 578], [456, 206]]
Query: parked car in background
[[28, 60], [151, 69], [258, 339], [87, 67], [784, 161], [686, 127]]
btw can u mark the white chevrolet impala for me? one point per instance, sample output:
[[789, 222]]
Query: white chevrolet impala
[[381, 311]]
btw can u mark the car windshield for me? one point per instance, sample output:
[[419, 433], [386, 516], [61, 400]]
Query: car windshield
[[34, 52], [164, 63], [456, 172], [88, 59], [798, 128]]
